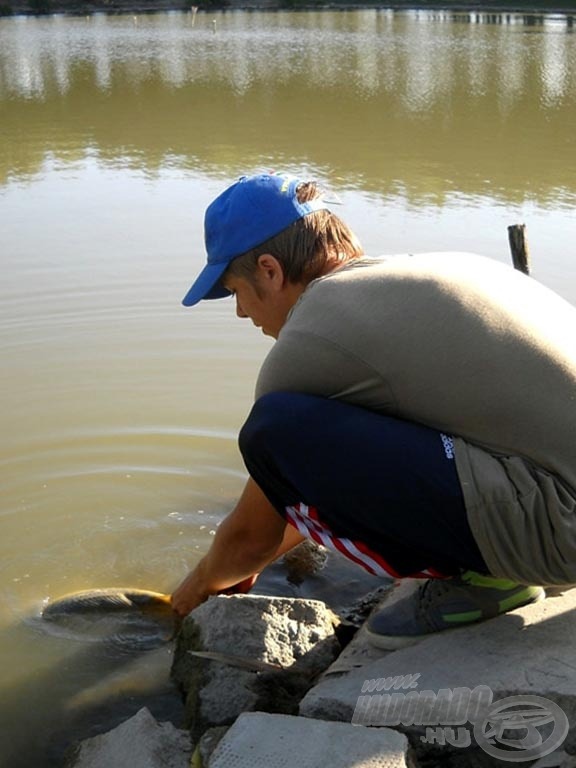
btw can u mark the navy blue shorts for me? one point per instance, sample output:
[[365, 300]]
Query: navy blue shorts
[[382, 491]]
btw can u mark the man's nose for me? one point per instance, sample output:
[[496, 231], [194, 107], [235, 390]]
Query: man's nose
[[239, 311]]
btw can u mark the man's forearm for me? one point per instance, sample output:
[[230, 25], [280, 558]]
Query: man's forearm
[[246, 541], [229, 561], [292, 537]]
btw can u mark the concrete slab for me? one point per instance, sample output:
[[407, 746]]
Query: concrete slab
[[528, 651], [140, 741], [259, 740]]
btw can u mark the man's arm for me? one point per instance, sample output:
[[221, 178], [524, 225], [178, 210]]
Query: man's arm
[[292, 537], [250, 538]]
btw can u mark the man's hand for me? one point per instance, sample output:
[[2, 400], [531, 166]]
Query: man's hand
[[242, 587], [186, 596]]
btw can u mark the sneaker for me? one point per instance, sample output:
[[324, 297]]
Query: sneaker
[[441, 604]]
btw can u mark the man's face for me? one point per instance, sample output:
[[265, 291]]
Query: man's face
[[258, 302], [267, 297]]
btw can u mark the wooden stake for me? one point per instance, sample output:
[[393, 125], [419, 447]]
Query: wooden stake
[[519, 247]]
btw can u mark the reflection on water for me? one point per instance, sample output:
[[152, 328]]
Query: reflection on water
[[374, 49], [120, 409], [368, 94]]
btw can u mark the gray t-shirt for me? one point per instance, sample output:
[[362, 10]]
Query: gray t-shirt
[[475, 349]]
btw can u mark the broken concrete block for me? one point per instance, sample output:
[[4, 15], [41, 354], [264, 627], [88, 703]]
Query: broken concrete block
[[295, 637], [140, 742], [529, 651], [259, 740]]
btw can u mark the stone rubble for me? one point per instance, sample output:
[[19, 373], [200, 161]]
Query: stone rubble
[[529, 651]]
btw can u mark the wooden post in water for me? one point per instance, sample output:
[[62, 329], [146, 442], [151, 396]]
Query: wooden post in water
[[519, 247]]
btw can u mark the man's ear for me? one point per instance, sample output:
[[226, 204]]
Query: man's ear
[[270, 271]]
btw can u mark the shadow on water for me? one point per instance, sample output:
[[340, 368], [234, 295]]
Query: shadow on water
[[97, 683], [111, 666]]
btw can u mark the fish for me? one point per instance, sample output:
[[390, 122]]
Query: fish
[[122, 616], [134, 628], [106, 600]]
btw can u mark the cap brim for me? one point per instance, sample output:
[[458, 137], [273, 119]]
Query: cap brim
[[206, 285]]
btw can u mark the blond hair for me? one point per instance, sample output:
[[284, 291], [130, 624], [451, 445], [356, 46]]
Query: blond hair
[[305, 248]]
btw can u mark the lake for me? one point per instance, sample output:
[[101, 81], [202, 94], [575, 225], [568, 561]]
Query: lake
[[433, 130]]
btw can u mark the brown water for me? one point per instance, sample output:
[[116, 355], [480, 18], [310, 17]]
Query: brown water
[[119, 407]]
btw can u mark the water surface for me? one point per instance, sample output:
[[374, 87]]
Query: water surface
[[120, 408]]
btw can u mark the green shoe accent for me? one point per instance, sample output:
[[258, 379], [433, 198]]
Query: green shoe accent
[[480, 580], [528, 595], [462, 618]]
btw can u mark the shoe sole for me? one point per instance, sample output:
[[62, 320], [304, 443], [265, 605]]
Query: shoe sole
[[397, 642]]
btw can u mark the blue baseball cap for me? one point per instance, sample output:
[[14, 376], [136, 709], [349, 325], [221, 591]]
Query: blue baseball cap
[[245, 215]]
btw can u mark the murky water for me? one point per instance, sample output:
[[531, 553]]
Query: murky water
[[119, 407]]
